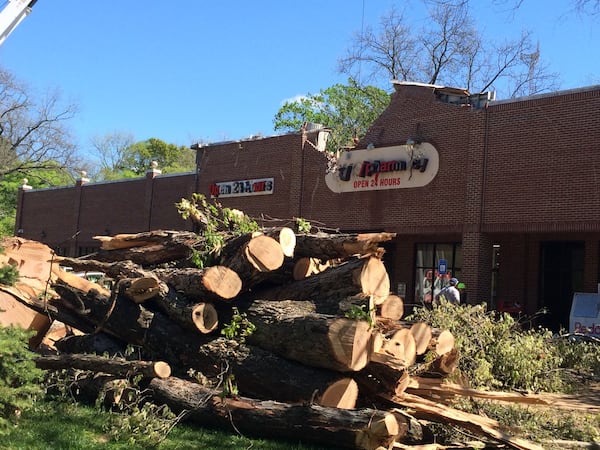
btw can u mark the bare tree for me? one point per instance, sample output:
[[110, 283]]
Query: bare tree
[[591, 7], [385, 55], [33, 133], [448, 50], [111, 150]]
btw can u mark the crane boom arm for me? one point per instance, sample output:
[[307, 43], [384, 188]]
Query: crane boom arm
[[12, 15]]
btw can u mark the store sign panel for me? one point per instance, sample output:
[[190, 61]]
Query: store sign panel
[[258, 186], [401, 166]]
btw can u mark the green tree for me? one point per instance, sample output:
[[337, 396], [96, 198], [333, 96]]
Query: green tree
[[348, 110], [171, 158], [121, 157]]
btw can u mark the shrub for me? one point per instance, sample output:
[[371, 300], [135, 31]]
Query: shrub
[[20, 379], [496, 352]]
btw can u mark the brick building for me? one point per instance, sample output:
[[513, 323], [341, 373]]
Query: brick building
[[502, 194]]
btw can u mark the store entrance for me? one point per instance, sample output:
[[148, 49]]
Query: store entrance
[[561, 274]]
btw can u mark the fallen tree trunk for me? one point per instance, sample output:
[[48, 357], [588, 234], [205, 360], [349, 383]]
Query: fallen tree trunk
[[211, 283], [114, 366], [325, 246], [263, 375], [366, 276], [94, 343], [146, 238], [253, 257], [357, 428], [151, 248], [286, 238], [153, 331], [318, 340]]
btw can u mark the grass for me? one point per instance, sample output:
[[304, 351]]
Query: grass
[[68, 426]]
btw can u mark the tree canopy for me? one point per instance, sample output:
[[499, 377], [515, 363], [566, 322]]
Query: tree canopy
[[348, 110], [120, 156]]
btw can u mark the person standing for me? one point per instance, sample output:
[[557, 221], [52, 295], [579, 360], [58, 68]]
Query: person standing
[[450, 293]]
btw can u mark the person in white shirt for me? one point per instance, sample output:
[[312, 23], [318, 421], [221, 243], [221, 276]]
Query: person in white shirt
[[450, 293]]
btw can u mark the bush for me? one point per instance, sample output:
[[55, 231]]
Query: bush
[[496, 352], [20, 380]]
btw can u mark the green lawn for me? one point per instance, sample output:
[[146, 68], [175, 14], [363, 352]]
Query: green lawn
[[67, 426]]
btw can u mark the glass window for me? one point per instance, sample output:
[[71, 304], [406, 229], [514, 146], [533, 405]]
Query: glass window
[[429, 281]]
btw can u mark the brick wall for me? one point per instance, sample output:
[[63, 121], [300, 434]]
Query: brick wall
[[515, 173]]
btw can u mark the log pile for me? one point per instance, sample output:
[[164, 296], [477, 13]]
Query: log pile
[[300, 330]]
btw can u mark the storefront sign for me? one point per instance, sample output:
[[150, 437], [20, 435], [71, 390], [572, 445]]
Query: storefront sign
[[259, 186], [401, 166]]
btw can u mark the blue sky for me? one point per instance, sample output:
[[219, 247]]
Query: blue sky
[[190, 70]]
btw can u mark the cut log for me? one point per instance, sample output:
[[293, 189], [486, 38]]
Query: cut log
[[379, 378], [318, 340], [14, 313], [263, 375], [159, 337], [88, 387], [356, 428], [116, 270], [114, 366], [402, 346], [341, 394], [392, 307], [197, 317], [144, 239], [92, 343], [304, 268], [446, 363], [252, 257], [367, 276], [325, 246], [160, 247], [139, 290], [211, 283], [286, 238], [422, 333], [442, 341], [426, 337]]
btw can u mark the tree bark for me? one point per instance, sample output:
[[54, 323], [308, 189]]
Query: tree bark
[[94, 343], [325, 246], [318, 340], [154, 332], [367, 276], [262, 374], [357, 428], [209, 284], [151, 248], [114, 366]]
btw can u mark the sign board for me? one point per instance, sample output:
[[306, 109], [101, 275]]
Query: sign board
[[585, 314], [261, 186], [443, 267], [383, 168]]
